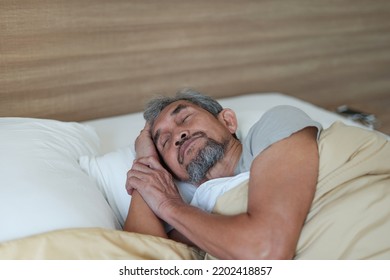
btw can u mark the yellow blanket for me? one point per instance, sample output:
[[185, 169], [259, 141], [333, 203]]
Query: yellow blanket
[[350, 214], [96, 244]]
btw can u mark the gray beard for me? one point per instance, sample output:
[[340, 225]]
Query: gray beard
[[205, 160]]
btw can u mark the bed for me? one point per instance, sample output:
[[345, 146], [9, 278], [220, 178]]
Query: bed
[[74, 77]]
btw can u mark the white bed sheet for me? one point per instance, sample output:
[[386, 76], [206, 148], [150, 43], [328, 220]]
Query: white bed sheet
[[120, 131]]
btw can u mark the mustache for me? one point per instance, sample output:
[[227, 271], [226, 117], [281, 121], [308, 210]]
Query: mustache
[[197, 134]]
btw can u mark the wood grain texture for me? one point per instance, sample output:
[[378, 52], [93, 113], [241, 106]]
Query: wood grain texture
[[79, 60]]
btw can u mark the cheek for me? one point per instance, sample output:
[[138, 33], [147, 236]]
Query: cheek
[[178, 170]]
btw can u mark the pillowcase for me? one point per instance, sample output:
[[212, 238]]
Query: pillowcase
[[42, 185], [110, 173]]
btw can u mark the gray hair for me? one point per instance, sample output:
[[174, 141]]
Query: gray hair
[[155, 106]]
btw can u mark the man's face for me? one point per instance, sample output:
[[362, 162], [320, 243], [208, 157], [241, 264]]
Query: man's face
[[190, 140]]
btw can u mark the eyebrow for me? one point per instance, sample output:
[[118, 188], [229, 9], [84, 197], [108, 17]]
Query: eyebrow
[[176, 111], [179, 108]]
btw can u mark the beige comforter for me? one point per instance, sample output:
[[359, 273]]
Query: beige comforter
[[349, 217], [350, 214], [96, 244]]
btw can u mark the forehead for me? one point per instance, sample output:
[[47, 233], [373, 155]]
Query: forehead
[[173, 109]]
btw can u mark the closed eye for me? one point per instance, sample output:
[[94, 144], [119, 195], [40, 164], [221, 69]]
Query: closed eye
[[186, 118], [164, 142]]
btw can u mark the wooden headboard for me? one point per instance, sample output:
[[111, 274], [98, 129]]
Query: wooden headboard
[[80, 60]]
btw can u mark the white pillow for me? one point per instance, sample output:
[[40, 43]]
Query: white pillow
[[42, 185], [110, 172]]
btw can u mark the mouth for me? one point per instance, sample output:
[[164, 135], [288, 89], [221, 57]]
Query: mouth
[[186, 145]]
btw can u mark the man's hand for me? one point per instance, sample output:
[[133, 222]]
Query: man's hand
[[141, 218], [154, 183], [144, 146]]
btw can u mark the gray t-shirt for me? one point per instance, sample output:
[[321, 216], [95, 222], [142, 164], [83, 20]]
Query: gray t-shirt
[[276, 124]]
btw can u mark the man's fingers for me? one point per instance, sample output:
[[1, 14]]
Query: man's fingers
[[141, 175], [132, 184], [150, 162], [140, 167]]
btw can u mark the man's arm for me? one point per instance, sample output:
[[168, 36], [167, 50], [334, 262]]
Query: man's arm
[[140, 217], [281, 188]]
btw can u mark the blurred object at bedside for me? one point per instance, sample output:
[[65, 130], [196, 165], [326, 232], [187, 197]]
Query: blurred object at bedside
[[366, 119]]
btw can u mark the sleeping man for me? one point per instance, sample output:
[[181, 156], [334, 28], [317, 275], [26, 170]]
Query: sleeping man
[[191, 138]]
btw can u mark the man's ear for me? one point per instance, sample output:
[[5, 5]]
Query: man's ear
[[228, 118]]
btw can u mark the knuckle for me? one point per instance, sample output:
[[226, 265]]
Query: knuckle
[[168, 176]]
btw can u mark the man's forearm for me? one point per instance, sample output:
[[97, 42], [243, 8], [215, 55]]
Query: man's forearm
[[141, 219], [218, 235]]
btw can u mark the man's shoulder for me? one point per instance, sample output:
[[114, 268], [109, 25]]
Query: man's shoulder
[[278, 116], [280, 122]]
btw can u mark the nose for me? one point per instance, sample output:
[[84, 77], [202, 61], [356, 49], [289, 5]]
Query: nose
[[182, 135]]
